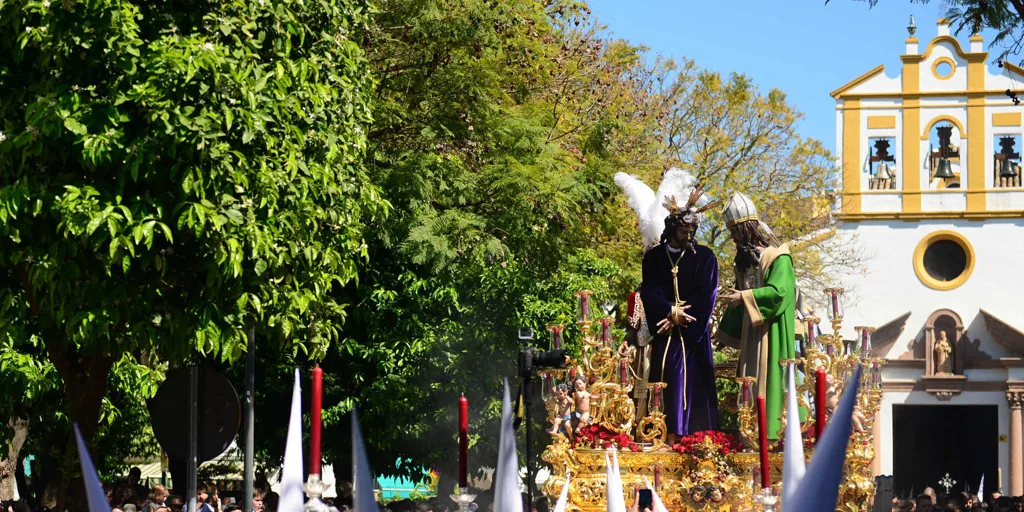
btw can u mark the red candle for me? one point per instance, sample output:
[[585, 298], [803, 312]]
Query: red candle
[[811, 333], [819, 404], [315, 422], [657, 476], [606, 330], [463, 442], [762, 440], [835, 305]]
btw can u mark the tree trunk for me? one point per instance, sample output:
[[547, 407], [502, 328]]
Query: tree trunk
[[85, 386], [9, 464]]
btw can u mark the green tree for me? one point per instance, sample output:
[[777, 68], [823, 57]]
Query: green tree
[[172, 174], [498, 128]]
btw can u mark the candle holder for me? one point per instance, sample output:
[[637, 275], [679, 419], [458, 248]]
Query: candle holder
[[556, 336], [314, 489], [606, 331], [835, 305], [583, 309], [652, 428], [766, 499], [464, 499], [864, 340]]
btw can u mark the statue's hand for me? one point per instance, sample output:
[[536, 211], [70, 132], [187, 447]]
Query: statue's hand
[[679, 316]]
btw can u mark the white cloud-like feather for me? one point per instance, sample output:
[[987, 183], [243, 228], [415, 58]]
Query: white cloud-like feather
[[648, 205]]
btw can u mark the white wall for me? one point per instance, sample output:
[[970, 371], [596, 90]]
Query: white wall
[[890, 286]]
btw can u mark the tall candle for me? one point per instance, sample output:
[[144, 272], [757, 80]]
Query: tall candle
[[835, 305], [623, 373], [657, 476], [463, 442], [315, 422], [812, 334], [762, 440], [556, 337], [606, 330], [819, 403], [865, 342]]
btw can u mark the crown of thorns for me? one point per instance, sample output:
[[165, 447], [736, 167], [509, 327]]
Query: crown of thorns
[[690, 211]]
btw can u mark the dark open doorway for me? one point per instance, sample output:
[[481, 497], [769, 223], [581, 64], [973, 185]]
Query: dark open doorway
[[931, 440]]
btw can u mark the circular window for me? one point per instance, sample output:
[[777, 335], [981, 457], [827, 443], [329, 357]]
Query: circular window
[[943, 68], [944, 260]]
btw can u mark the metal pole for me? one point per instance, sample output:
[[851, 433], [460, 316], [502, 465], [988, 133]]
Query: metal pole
[[527, 405], [250, 386], [193, 436]]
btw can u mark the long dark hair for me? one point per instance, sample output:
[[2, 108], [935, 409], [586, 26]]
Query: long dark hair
[[751, 236]]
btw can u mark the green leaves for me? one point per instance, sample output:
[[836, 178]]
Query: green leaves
[[157, 165]]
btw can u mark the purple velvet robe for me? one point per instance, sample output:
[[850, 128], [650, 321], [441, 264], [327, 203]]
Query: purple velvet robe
[[692, 355]]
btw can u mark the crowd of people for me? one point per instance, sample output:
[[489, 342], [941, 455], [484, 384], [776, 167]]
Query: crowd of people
[[930, 501]]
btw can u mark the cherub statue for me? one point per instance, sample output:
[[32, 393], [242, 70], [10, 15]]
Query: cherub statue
[[581, 416], [563, 411], [833, 401]]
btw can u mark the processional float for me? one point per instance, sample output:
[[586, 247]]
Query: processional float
[[706, 471]]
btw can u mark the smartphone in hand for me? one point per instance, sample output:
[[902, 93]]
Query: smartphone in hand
[[646, 501]]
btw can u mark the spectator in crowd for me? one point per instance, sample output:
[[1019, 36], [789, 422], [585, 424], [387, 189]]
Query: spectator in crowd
[[175, 503], [157, 498]]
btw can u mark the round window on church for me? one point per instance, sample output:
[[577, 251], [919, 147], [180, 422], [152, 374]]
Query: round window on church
[[944, 260]]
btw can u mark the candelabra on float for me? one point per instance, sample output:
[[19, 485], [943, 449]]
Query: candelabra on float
[[692, 480]]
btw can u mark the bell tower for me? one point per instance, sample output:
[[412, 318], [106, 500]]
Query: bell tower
[[930, 162]]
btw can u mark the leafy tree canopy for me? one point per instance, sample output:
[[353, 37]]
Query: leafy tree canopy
[[174, 173]]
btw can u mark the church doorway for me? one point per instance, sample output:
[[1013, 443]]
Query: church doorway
[[931, 440]]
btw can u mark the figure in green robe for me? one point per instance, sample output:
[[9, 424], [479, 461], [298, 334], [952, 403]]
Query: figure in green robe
[[761, 315]]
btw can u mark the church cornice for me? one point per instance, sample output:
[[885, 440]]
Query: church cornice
[[1004, 334], [918, 216], [857, 81], [886, 335]]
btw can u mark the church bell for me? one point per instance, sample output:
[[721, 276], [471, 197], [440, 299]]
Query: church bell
[[1006, 169], [945, 171], [883, 172]]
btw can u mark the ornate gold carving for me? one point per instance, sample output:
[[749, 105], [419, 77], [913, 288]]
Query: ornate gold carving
[[706, 479]]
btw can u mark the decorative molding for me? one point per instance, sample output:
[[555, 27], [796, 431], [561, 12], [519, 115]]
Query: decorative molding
[[887, 334], [1006, 119], [944, 118], [906, 385], [1004, 334], [857, 81], [881, 122], [1015, 399], [944, 387], [919, 216]]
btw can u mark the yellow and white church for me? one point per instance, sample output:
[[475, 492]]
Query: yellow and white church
[[931, 190]]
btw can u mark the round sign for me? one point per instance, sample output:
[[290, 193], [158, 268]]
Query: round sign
[[219, 414]]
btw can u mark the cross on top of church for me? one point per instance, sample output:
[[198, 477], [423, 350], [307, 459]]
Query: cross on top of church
[[947, 482]]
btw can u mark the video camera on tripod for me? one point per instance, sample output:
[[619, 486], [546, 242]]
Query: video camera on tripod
[[531, 360]]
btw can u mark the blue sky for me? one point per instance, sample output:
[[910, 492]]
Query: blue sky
[[803, 47]]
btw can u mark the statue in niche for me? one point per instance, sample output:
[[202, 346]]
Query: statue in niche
[[943, 351]]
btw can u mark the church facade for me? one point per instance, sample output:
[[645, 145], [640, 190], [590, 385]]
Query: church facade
[[931, 192]]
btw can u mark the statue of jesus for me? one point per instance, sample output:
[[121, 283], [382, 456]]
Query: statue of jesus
[[680, 285]]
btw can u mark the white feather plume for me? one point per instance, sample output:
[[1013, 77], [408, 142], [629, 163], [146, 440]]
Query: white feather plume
[[648, 206]]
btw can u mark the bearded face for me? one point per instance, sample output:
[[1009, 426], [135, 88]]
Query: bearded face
[[684, 237]]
